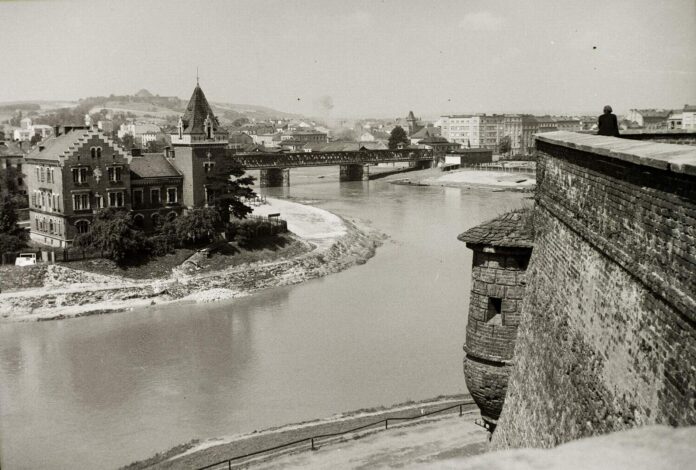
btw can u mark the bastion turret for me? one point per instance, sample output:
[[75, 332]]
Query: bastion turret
[[502, 248]]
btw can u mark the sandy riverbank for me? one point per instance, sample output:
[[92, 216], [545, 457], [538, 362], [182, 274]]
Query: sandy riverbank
[[467, 178], [333, 244]]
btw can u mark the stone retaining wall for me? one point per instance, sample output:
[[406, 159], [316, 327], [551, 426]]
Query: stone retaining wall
[[607, 339]]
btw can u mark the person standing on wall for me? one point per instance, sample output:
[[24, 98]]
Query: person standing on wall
[[607, 124]]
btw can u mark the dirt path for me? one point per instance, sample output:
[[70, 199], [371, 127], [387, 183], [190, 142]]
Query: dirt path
[[216, 450]]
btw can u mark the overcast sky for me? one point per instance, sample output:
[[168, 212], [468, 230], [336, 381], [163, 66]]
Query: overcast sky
[[372, 58]]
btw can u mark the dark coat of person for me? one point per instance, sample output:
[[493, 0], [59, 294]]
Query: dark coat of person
[[607, 124]]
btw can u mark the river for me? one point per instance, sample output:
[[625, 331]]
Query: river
[[103, 391]]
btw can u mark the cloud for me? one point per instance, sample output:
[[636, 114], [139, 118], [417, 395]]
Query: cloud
[[482, 21]]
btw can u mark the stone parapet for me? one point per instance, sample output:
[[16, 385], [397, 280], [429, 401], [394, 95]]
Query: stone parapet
[[607, 338]]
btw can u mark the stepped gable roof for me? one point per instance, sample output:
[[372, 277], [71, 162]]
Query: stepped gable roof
[[152, 165], [197, 110], [513, 230], [53, 147]]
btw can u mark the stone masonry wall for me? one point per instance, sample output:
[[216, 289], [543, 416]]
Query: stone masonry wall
[[490, 342], [607, 339]]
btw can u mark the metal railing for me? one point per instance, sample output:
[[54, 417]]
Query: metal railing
[[313, 439]]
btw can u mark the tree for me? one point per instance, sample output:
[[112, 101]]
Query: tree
[[227, 184], [127, 142], [398, 136], [239, 122], [505, 145], [113, 234], [198, 225], [9, 180], [12, 236]]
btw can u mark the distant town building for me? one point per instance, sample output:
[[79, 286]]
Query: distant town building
[[440, 145], [143, 132], [689, 117], [651, 119], [28, 130]]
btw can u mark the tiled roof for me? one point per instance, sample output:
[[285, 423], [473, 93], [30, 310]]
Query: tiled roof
[[54, 147], [513, 229], [426, 132], [152, 165], [433, 139], [197, 110], [10, 149], [240, 138]]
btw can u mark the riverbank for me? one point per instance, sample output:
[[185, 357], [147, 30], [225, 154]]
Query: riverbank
[[468, 178], [332, 244], [197, 454]]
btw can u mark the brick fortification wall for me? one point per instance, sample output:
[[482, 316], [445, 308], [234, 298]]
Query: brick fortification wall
[[607, 338]]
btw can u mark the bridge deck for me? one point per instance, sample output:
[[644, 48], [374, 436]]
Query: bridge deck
[[260, 161]]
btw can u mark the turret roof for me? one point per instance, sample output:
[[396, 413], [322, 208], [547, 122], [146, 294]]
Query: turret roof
[[513, 229], [197, 110]]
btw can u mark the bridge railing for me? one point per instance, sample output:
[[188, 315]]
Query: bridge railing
[[312, 440], [302, 159]]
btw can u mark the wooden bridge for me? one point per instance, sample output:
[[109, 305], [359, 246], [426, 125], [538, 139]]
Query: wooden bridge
[[354, 165]]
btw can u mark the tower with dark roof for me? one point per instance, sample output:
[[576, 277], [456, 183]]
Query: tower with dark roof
[[412, 123], [198, 143]]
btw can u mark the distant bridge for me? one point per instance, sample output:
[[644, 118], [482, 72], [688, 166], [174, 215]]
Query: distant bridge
[[353, 164]]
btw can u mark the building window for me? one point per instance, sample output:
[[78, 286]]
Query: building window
[[208, 166], [82, 226], [155, 196], [171, 216], [79, 175], [81, 202], [99, 152], [116, 199], [137, 198], [155, 220], [139, 221], [43, 175], [114, 174], [171, 196], [495, 306], [93, 152]]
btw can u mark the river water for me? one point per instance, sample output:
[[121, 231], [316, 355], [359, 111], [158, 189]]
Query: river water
[[103, 391]]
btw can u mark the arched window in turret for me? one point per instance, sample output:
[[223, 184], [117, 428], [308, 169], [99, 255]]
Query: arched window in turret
[[180, 126], [208, 124]]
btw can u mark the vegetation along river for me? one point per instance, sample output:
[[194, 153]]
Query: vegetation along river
[[103, 391]]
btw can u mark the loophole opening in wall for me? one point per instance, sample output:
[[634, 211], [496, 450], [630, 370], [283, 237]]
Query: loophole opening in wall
[[495, 308]]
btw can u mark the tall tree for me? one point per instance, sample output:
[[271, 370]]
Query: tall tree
[[227, 184], [505, 145], [112, 233], [196, 225], [398, 136], [12, 236]]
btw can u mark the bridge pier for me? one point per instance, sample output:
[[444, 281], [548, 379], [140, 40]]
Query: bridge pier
[[274, 177], [421, 164], [354, 172]]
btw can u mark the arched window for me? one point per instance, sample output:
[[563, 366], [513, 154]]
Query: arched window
[[82, 226], [99, 152], [156, 220], [50, 226], [139, 221], [93, 152], [171, 216]]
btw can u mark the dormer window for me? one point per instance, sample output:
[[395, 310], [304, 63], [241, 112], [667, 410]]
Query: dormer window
[[208, 124]]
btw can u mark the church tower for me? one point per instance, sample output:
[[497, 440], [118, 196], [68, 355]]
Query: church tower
[[412, 123], [198, 142]]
